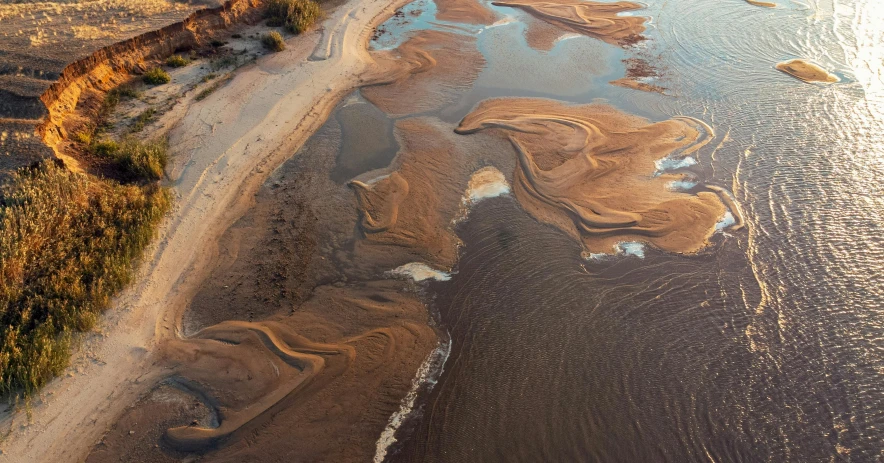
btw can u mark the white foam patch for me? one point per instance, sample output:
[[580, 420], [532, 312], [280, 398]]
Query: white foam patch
[[681, 185], [420, 272], [502, 22], [630, 248], [486, 182], [567, 37], [726, 221], [427, 375], [674, 163]]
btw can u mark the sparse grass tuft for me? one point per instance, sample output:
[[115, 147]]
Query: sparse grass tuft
[[273, 41], [177, 61], [156, 76], [142, 120], [83, 137], [127, 91], [68, 243], [296, 15], [209, 76]]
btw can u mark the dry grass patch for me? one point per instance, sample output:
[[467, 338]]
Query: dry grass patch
[[68, 244]]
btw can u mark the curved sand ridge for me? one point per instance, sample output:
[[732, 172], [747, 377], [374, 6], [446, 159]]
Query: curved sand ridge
[[807, 71], [593, 19], [590, 170]]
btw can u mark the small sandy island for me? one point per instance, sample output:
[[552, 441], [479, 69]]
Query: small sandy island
[[759, 3], [807, 71]]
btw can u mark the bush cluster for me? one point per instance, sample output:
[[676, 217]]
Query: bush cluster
[[273, 41], [156, 76], [138, 161], [296, 15], [177, 61], [68, 243]]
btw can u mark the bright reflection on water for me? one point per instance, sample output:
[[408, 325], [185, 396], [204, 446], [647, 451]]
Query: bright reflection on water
[[769, 346]]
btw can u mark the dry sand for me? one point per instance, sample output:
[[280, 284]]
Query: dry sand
[[807, 71], [223, 149], [590, 170]]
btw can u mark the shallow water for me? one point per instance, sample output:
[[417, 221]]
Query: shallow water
[[767, 346]]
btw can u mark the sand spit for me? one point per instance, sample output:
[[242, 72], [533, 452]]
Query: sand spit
[[593, 19], [432, 64], [590, 170], [223, 149], [807, 71]]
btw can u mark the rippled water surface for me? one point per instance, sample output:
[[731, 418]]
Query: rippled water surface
[[767, 346]]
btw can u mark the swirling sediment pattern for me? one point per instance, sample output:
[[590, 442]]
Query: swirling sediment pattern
[[590, 171], [594, 19]]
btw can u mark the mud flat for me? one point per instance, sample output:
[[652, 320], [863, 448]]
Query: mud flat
[[807, 71]]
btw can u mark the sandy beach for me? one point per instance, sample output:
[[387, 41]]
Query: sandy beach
[[256, 121]]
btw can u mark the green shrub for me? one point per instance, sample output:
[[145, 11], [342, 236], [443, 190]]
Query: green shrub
[[142, 120], [273, 41], [296, 15], [156, 76], [105, 148], [177, 61], [68, 243]]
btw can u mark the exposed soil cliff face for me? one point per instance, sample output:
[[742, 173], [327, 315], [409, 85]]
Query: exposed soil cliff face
[[44, 106]]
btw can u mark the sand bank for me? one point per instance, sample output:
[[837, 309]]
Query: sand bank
[[807, 71], [465, 11], [223, 149], [593, 19], [590, 170]]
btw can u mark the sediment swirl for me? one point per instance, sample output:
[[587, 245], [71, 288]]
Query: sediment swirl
[[593, 19], [590, 170]]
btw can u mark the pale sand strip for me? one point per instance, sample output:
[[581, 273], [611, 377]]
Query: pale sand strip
[[223, 149]]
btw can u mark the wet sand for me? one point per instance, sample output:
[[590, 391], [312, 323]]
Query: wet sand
[[222, 150], [807, 71], [465, 11]]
